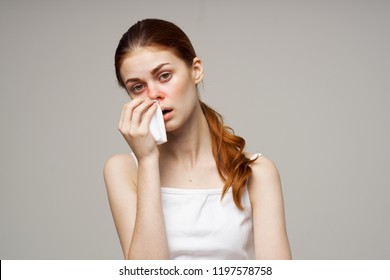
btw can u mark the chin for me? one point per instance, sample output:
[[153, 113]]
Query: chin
[[171, 127]]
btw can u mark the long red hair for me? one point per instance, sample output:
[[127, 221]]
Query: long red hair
[[228, 149]]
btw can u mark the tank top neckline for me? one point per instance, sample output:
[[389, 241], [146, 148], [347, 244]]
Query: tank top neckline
[[185, 191]]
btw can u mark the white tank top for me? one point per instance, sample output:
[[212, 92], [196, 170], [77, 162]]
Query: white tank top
[[199, 225]]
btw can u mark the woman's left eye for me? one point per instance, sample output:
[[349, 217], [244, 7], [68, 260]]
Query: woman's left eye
[[165, 76]]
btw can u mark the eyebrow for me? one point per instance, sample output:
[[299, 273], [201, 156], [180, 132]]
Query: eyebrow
[[156, 69]]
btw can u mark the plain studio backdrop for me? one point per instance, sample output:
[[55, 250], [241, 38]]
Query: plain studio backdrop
[[306, 83]]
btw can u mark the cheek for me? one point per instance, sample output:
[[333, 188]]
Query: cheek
[[172, 89], [180, 86]]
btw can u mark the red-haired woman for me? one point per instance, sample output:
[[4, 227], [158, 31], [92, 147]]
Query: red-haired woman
[[199, 195]]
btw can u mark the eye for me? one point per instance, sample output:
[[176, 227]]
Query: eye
[[137, 88], [164, 77]]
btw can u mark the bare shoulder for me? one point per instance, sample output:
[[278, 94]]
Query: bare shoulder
[[265, 191], [265, 178], [120, 167], [119, 160], [264, 167], [264, 185]]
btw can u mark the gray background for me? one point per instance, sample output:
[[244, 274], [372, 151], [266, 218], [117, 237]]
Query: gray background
[[307, 83]]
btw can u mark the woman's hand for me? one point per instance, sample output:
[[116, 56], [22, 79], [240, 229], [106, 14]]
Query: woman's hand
[[134, 126]]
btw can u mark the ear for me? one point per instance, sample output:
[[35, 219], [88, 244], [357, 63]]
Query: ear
[[197, 70]]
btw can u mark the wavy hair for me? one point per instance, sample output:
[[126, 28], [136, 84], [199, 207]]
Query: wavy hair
[[228, 149]]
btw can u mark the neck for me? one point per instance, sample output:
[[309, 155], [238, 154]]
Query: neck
[[190, 144]]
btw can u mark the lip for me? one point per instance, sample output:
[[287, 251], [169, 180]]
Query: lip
[[168, 115]]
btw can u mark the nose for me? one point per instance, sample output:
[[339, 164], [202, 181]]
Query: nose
[[154, 92]]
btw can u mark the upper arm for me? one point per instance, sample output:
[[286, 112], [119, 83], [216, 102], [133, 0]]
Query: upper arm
[[271, 241], [120, 177]]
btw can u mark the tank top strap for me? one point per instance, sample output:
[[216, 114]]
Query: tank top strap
[[255, 156]]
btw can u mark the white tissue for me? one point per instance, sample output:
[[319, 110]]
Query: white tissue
[[157, 126]]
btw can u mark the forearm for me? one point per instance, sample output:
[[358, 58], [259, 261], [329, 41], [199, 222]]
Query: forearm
[[149, 239]]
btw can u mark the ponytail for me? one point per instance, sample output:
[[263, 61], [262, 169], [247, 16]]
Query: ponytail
[[228, 150]]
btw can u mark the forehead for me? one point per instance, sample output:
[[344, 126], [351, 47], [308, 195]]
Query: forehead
[[143, 60]]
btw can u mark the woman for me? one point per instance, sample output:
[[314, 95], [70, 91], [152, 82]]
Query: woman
[[198, 196]]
